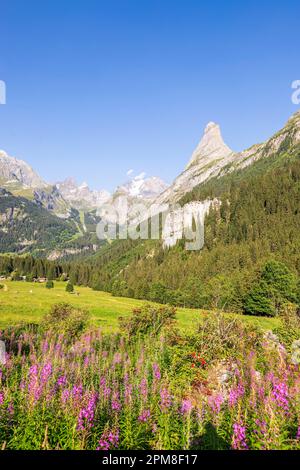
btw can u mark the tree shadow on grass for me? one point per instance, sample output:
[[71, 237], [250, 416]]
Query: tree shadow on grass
[[210, 440]]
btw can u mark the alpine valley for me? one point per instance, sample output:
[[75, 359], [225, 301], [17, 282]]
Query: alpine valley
[[250, 206]]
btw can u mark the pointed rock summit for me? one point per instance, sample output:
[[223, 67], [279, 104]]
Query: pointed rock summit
[[211, 146]]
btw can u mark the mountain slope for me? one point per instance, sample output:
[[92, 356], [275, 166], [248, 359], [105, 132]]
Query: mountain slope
[[258, 219], [26, 227], [18, 172]]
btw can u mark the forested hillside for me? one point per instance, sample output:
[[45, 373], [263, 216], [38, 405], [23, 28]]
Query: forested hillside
[[24, 226], [258, 221]]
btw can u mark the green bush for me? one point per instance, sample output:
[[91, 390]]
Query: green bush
[[15, 276], [148, 319], [219, 337], [69, 287], [1, 286], [49, 285], [67, 320]]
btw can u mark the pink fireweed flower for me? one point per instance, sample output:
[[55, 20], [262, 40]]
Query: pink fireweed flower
[[239, 437], [186, 406], [65, 396], [117, 359], [61, 381], [215, 402], [45, 346], [1, 398], [127, 389], [261, 427], [10, 408], [46, 372], [33, 388], [144, 416], [236, 393], [280, 395], [102, 381], [156, 371], [115, 402], [106, 392], [109, 440], [298, 433], [77, 391], [165, 399], [87, 414], [143, 388]]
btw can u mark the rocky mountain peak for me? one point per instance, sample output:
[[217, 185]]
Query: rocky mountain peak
[[141, 188], [211, 146], [16, 171], [81, 196]]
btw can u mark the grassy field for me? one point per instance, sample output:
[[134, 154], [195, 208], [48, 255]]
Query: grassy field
[[28, 302]]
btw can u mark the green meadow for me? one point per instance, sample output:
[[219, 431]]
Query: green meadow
[[28, 302]]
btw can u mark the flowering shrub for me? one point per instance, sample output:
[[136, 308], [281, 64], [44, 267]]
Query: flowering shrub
[[113, 392]]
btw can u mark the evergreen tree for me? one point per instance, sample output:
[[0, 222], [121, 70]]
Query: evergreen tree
[[69, 287]]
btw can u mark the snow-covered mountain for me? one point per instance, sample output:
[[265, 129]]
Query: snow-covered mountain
[[81, 197], [140, 188]]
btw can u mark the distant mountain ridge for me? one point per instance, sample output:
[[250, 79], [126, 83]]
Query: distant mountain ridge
[[19, 178], [81, 196], [211, 163]]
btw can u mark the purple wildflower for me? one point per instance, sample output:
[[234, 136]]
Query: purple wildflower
[[165, 399], [127, 389], [144, 416], [108, 440], [46, 372], [65, 396], [239, 437], [87, 414], [215, 402], [156, 371], [186, 406], [261, 427], [235, 393], [62, 381], [117, 358], [143, 388], [280, 395]]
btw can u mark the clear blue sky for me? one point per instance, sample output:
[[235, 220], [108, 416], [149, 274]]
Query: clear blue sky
[[95, 88]]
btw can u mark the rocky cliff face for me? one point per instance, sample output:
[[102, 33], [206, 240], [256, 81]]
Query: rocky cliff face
[[210, 148], [51, 199], [213, 158], [14, 171], [179, 223], [209, 157]]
